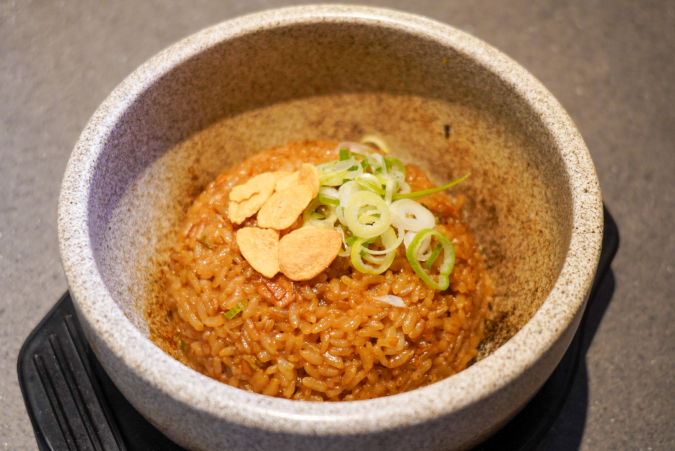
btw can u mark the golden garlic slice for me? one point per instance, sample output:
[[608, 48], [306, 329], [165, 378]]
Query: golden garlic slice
[[309, 176], [260, 248], [306, 252], [287, 182], [260, 184], [239, 211], [246, 199], [283, 208], [278, 175]]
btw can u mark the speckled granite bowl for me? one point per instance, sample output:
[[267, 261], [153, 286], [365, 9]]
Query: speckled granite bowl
[[443, 99]]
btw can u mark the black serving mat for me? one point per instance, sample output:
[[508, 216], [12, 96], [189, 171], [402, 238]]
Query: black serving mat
[[74, 406]]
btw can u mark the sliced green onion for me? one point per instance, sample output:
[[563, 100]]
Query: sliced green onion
[[377, 259], [393, 247], [328, 200], [395, 165], [180, 344], [379, 142], [434, 255], [388, 238], [252, 362], [354, 148], [371, 182], [346, 191], [403, 188], [389, 189], [345, 154], [412, 215], [329, 196], [347, 251], [377, 163], [369, 203], [371, 240], [332, 178], [335, 172], [367, 225], [234, 311], [207, 241], [446, 266], [391, 300], [428, 192], [313, 218]]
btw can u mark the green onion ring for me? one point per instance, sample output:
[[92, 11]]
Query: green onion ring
[[371, 182], [328, 200], [353, 214], [388, 238], [446, 266], [309, 215], [379, 142], [396, 163], [344, 154], [434, 255]]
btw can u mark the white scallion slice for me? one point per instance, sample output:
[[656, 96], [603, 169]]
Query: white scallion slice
[[371, 183], [346, 191], [389, 189], [329, 196], [394, 245], [376, 259], [395, 168], [388, 238], [360, 219], [347, 251], [379, 142], [391, 300], [407, 239], [334, 173], [329, 215], [353, 147], [376, 163], [413, 215], [424, 250]]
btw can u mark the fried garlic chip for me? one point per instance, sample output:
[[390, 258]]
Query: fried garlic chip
[[306, 252], [287, 182], [309, 176], [283, 208], [246, 199], [262, 183], [260, 248]]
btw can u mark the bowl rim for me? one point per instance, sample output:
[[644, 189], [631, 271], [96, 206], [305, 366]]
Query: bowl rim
[[95, 304]]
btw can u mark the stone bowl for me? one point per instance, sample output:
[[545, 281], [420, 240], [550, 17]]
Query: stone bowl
[[443, 99]]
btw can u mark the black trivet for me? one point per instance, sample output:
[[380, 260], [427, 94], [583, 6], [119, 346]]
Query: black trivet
[[74, 406]]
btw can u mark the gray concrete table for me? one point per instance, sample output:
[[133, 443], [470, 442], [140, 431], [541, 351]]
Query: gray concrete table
[[610, 63]]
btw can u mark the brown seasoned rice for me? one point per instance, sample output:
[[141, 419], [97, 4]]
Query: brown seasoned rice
[[331, 340]]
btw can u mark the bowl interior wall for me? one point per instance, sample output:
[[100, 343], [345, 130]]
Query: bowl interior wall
[[435, 106]]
